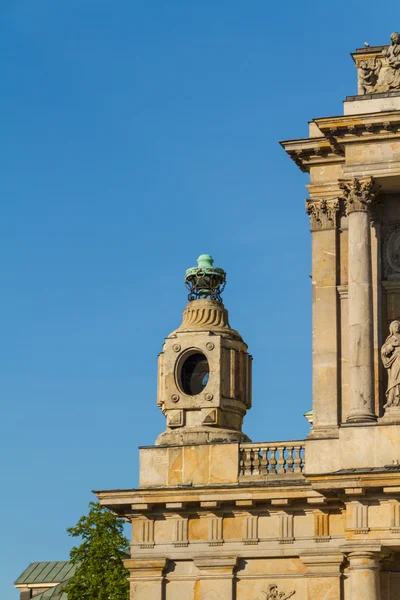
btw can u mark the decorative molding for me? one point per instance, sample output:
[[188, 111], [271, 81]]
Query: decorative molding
[[205, 314], [147, 533], [394, 516], [175, 417], [359, 194], [215, 531], [359, 518], [321, 526], [286, 529], [251, 537], [273, 593], [180, 532], [343, 291], [322, 213]]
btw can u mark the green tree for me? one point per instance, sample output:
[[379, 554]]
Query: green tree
[[100, 573]]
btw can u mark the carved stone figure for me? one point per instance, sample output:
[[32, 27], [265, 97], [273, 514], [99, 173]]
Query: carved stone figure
[[368, 71], [391, 76], [381, 73], [273, 593], [390, 354]]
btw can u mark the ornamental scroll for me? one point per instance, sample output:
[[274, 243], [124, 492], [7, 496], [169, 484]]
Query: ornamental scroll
[[273, 593], [381, 73]]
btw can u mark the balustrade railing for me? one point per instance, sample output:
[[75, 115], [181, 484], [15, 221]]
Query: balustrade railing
[[272, 460]]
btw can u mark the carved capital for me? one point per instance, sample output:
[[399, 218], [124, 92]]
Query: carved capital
[[322, 213], [359, 194]]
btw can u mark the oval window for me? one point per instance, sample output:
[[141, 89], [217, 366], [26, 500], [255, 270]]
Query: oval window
[[194, 374]]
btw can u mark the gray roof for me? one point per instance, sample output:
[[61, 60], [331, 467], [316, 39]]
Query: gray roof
[[46, 572]]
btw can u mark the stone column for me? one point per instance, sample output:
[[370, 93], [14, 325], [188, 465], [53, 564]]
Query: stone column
[[359, 195], [216, 576], [323, 216], [364, 575], [146, 578]]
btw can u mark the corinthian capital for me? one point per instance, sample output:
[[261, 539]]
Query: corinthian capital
[[322, 213], [359, 194]]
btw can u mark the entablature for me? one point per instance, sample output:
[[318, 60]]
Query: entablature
[[339, 131], [358, 482], [238, 498]]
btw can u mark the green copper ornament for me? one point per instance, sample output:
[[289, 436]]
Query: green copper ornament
[[205, 280]]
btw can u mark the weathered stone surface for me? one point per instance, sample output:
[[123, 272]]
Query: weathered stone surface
[[213, 412]]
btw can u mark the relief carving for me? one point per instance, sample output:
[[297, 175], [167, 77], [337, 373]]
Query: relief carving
[[390, 354], [322, 213], [368, 73], [391, 253], [359, 194], [381, 74], [273, 593]]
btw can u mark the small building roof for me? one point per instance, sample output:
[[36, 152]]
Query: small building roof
[[46, 572]]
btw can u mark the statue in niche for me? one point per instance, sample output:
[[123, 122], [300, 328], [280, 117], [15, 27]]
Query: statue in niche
[[273, 593], [390, 354], [391, 76]]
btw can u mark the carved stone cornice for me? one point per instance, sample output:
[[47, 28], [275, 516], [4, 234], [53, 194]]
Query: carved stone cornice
[[359, 194], [322, 213]]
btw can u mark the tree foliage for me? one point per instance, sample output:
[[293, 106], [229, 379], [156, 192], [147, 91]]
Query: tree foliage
[[100, 573]]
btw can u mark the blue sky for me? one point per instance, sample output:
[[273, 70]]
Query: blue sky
[[136, 135]]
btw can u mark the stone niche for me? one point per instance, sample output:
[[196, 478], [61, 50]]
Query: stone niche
[[390, 260]]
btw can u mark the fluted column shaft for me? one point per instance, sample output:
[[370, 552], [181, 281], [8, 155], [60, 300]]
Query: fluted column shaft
[[359, 196]]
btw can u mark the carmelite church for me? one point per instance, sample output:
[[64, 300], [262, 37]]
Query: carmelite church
[[218, 517]]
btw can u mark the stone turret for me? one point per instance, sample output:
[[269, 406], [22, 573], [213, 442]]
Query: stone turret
[[204, 369]]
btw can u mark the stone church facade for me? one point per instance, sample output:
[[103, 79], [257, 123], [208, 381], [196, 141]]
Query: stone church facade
[[216, 516]]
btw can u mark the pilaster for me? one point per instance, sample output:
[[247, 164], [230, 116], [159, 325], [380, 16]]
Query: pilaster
[[146, 578], [324, 574], [323, 225], [216, 576]]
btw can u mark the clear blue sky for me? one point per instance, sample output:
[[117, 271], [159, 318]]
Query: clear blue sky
[[135, 135]]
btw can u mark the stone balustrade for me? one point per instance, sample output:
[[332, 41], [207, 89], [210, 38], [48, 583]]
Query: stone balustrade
[[272, 460]]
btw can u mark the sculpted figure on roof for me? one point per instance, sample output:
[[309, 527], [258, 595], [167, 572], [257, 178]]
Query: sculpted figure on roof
[[381, 73], [391, 75]]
